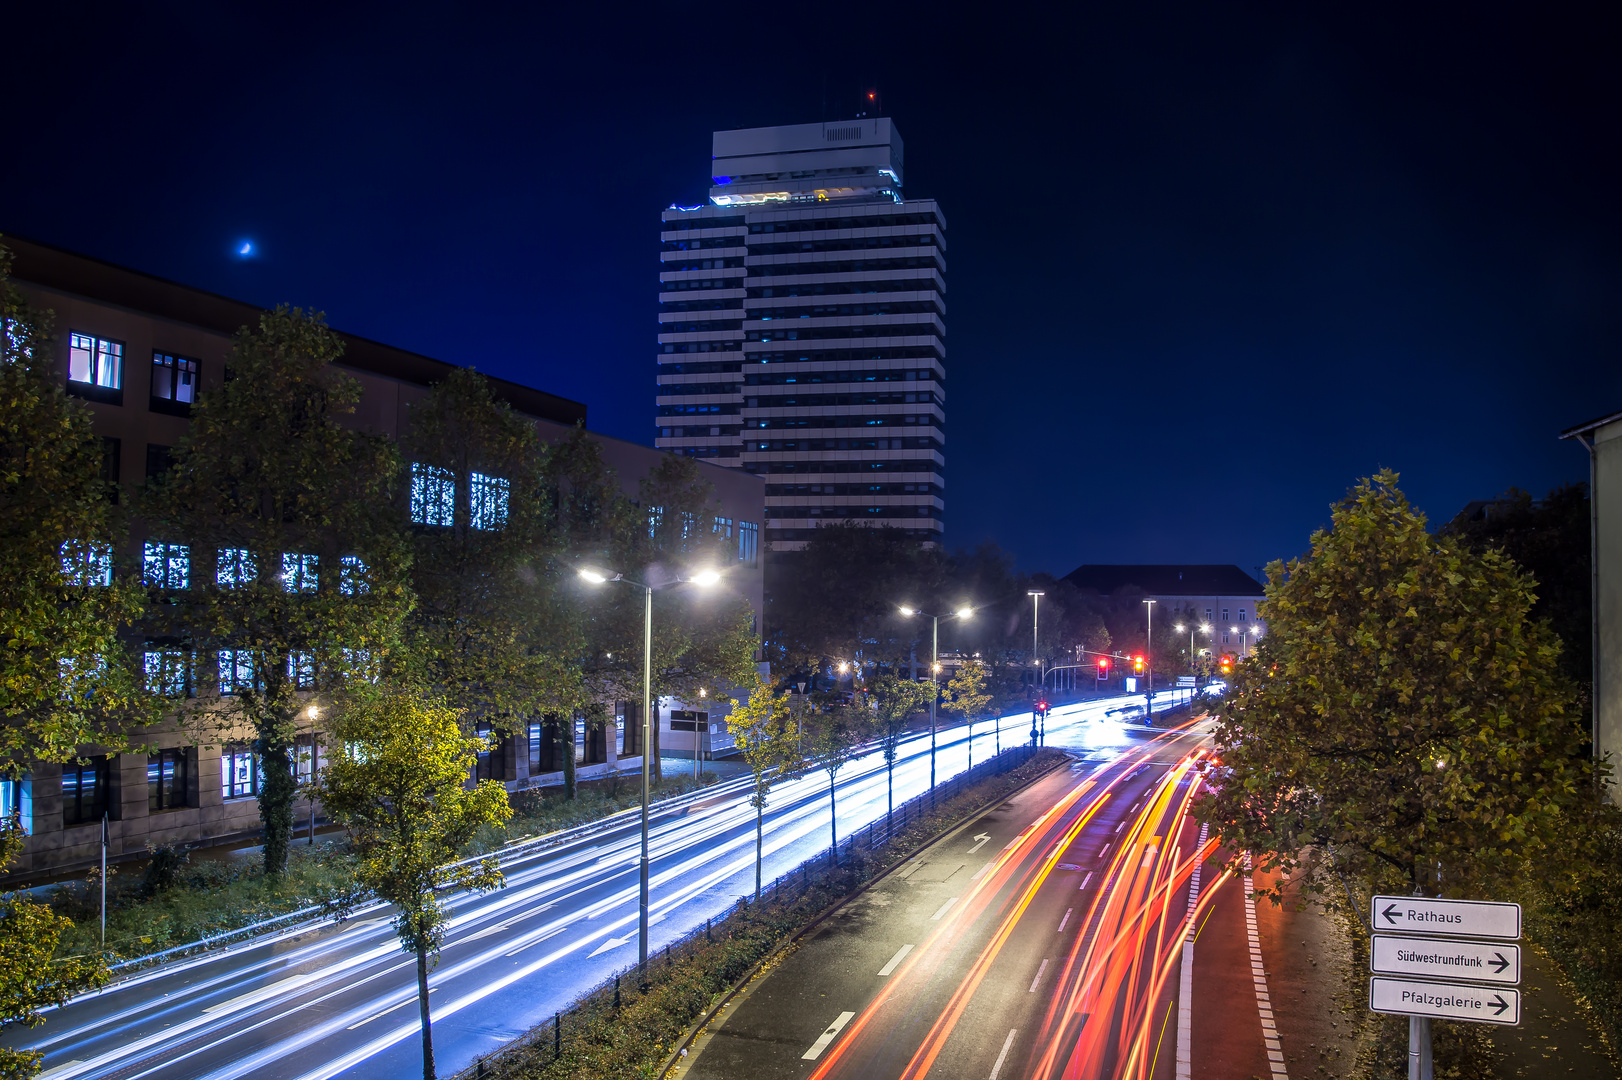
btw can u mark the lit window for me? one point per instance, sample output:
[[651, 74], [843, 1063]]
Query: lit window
[[301, 669], [235, 567], [165, 566], [748, 542], [488, 501], [87, 564], [95, 361], [433, 495], [239, 772], [298, 572], [309, 758], [174, 378], [352, 576], [17, 800], [237, 671], [166, 671], [360, 664], [723, 528], [656, 515], [84, 791], [166, 780]]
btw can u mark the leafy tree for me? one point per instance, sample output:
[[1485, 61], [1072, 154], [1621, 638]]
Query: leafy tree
[[492, 627], [1403, 710], [835, 732], [300, 568], [896, 700], [65, 677], [762, 732], [966, 695], [31, 977], [400, 787]]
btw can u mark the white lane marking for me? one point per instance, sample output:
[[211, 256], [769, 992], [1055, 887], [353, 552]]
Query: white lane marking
[[981, 838], [1007, 1044], [263, 992], [1185, 984], [611, 943], [895, 961], [983, 869], [412, 1000], [1118, 829], [60, 1069], [1085, 880], [1264, 1002], [537, 941], [944, 908], [486, 932], [1105, 850], [1039, 973], [1066, 920], [827, 1037]]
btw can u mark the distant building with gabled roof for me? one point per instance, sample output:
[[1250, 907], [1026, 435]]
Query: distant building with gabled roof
[[1221, 596]]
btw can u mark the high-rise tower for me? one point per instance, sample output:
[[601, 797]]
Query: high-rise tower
[[802, 328]]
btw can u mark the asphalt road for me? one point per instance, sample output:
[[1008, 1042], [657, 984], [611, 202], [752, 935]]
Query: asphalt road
[[340, 1001], [1060, 935]]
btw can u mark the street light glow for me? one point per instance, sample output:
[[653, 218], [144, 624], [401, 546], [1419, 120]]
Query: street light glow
[[705, 577], [1178, 628], [596, 577], [908, 612], [843, 667], [964, 612], [1205, 628]]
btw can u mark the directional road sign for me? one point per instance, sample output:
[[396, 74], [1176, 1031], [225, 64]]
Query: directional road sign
[[1444, 959], [1450, 1001], [1454, 918]]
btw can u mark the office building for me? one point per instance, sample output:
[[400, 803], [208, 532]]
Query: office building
[[802, 328]]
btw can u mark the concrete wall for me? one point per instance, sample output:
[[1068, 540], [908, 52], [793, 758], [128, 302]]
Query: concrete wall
[[1607, 510]]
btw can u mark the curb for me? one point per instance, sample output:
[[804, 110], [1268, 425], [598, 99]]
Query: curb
[[698, 1026]]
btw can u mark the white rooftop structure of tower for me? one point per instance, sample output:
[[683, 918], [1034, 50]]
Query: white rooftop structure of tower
[[802, 328]]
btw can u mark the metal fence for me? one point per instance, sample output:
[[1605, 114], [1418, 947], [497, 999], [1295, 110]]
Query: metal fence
[[547, 1041]]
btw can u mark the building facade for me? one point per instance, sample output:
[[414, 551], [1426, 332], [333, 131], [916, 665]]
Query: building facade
[[1223, 597], [1602, 438], [802, 328], [139, 349]]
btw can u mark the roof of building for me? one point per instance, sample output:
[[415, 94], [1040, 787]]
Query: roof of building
[[95, 279], [1165, 580], [1589, 425]]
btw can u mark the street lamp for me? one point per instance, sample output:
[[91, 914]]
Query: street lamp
[[1036, 656], [1149, 663], [599, 577], [934, 670]]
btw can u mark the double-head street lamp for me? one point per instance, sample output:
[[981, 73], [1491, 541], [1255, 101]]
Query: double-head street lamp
[[1204, 628], [600, 577], [1242, 631], [1149, 662], [935, 670]]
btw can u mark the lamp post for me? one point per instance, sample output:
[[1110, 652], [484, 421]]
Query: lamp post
[[1149, 663], [1036, 656], [598, 577], [934, 670]]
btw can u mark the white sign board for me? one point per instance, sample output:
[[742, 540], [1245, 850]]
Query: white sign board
[[1449, 1001], [1185, 680], [1131, 685], [1454, 918], [1444, 959]]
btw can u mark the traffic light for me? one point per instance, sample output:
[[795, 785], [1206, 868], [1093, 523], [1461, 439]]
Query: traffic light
[[1103, 669], [1137, 664], [1226, 666], [1041, 708]]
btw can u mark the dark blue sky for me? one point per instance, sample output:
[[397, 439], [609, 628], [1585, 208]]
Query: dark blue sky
[[1207, 264]]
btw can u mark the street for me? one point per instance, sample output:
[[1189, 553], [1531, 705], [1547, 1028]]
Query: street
[[341, 1001]]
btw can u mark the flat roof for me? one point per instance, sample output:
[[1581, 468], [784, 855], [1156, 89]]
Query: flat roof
[[95, 279], [1163, 579]]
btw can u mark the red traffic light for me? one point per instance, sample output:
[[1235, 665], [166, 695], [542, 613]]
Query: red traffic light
[[1041, 706], [1103, 665]]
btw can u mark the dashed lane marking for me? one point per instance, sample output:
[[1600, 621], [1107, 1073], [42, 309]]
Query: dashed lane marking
[[827, 1037]]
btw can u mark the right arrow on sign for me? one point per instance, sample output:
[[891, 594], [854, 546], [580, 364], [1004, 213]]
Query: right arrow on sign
[[1446, 958], [1498, 1004], [1498, 963]]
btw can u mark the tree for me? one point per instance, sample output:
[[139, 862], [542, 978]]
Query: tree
[[835, 733], [66, 678], [762, 732], [966, 695], [400, 787], [1402, 710], [896, 700], [31, 977], [301, 577]]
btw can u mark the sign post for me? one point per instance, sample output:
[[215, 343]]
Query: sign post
[[1425, 942]]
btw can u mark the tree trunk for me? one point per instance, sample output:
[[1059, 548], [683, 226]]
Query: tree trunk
[[657, 774], [427, 1024], [567, 744], [759, 840], [833, 823], [277, 788]]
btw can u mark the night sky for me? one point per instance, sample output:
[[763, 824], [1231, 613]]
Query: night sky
[[1207, 265]]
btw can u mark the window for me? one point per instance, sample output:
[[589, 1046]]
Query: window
[[298, 572], [1224, 637], [491, 764], [301, 669], [656, 516], [1207, 614], [17, 800], [174, 382], [1241, 614], [723, 528], [165, 667], [352, 576], [235, 567], [748, 543], [239, 772], [237, 671], [87, 564], [158, 459], [95, 361], [1224, 618], [165, 566], [309, 758], [359, 664], [487, 499], [84, 791], [110, 455], [433, 495], [166, 776]]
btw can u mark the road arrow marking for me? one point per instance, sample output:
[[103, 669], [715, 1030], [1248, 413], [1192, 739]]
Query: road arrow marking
[[611, 943], [982, 838]]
